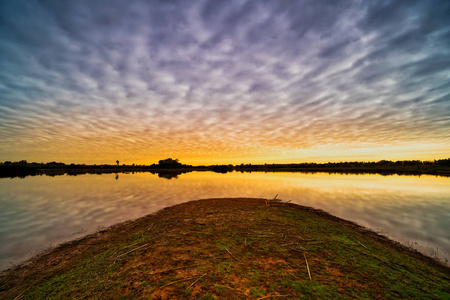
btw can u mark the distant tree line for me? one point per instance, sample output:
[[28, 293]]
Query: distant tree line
[[171, 166], [441, 167], [354, 164]]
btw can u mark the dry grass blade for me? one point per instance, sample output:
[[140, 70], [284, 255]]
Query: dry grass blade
[[177, 281], [294, 276], [231, 254], [301, 251], [19, 296], [360, 243], [132, 250], [287, 244], [307, 266], [196, 280], [151, 227]]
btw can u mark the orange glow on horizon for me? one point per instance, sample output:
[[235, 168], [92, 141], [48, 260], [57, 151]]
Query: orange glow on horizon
[[319, 154]]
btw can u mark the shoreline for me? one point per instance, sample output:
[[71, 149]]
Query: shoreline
[[199, 217], [174, 173]]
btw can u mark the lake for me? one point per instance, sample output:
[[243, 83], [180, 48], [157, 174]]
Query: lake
[[38, 212]]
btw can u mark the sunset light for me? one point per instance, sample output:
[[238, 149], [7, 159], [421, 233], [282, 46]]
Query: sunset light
[[224, 149], [224, 81]]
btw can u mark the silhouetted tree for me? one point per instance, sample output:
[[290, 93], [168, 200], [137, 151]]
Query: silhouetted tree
[[169, 163], [117, 162]]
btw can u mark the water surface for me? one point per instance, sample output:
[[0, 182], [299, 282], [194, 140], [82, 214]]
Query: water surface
[[41, 211]]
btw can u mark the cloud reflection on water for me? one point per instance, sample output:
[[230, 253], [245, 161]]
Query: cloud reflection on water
[[40, 211]]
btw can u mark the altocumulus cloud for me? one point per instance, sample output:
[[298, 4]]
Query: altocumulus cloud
[[222, 79]]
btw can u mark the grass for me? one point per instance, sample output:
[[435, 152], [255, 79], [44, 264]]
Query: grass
[[230, 249]]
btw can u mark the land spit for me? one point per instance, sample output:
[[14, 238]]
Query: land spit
[[230, 249]]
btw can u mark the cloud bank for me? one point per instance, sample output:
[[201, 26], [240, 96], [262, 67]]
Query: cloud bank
[[92, 81]]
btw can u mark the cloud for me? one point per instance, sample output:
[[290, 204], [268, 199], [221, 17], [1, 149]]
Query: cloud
[[220, 78]]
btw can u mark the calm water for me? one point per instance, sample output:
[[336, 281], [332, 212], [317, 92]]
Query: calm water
[[39, 212]]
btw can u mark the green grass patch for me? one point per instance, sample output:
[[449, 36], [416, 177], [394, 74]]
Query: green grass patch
[[231, 249]]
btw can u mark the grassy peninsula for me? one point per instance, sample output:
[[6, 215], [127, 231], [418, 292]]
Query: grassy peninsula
[[230, 249]]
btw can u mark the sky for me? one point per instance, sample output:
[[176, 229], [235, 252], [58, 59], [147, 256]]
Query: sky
[[224, 81]]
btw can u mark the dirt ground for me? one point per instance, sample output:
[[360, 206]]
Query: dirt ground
[[230, 249]]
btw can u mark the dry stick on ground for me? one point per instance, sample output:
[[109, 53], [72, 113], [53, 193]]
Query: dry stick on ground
[[154, 225], [274, 199], [131, 245], [196, 281], [20, 295], [307, 266], [290, 272], [287, 244], [115, 252], [303, 249], [181, 280], [360, 243], [293, 275], [231, 254], [132, 250]]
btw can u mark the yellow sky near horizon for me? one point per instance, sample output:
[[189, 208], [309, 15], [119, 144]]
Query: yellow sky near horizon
[[221, 82], [318, 154]]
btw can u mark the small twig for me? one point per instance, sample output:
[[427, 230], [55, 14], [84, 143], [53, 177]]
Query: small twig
[[275, 198], [360, 243], [303, 249], [307, 266], [127, 246], [231, 254], [154, 225], [181, 280], [115, 252], [293, 275], [196, 281], [287, 244], [20, 295], [132, 250], [245, 242]]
